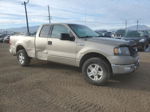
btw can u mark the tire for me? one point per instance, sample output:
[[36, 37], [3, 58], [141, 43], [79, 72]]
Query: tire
[[144, 48], [23, 58], [92, 76], [147, 46]]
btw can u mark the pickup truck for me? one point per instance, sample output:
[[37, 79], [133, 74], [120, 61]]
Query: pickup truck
[[77, 45], [139, 37]]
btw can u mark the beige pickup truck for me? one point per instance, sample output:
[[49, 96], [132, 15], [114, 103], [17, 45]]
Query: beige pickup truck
[[77, 45]]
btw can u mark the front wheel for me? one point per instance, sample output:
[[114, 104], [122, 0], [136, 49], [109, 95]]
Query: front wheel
[[23, 58], [96, 71], [144, 48]]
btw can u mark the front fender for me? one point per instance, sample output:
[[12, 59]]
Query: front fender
[[85, 51]]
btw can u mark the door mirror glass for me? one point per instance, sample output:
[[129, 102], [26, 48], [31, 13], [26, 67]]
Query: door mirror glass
[[66, 36]]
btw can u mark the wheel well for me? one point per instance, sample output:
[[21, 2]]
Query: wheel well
[[91, 55], [20, 47]]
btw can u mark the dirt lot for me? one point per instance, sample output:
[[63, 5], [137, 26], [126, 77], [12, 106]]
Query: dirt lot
[[49, 87]]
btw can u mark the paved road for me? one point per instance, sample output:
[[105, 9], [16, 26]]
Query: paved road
[[49, 87]]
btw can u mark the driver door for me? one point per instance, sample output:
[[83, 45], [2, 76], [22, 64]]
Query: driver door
[[61, 51]]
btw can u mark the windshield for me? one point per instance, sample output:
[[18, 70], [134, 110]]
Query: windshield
[[134, 34], [83, 31]]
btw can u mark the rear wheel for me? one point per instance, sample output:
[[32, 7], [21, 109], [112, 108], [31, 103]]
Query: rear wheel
[[96, 71], [23, 58]]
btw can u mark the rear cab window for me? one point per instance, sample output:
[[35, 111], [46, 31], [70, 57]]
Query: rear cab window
[[45, 31]]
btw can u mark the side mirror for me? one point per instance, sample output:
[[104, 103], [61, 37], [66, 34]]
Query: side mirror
[[66, 36]]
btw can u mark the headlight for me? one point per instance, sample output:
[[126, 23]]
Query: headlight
[[122, 51], [142, 40]]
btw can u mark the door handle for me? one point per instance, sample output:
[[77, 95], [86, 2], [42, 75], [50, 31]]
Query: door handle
[[49, 42]]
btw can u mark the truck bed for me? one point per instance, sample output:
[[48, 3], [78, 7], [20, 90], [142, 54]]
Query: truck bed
[[27, 41]]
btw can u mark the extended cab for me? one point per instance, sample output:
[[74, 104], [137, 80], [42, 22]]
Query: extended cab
[[77, 45]]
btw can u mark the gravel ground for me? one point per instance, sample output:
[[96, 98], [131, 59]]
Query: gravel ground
[[50, 87]]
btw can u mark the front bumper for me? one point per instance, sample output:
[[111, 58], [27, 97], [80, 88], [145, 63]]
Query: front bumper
[[124, 69]]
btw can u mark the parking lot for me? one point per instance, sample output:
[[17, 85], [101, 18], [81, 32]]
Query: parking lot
[[50, 87]]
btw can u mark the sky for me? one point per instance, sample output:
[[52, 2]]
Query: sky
[[97, 14]]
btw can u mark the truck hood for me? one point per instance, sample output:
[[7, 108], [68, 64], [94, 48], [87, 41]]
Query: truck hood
[[133, 38], [110, 41]]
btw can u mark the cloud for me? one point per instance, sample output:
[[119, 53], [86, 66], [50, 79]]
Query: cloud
[[96, 14]]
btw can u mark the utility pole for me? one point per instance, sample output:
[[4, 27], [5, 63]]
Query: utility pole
[[26, 13], [49, 15], [137, 28], [126, 25]]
